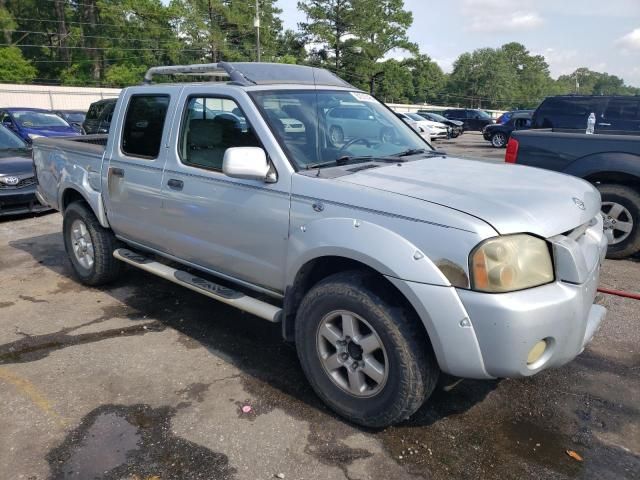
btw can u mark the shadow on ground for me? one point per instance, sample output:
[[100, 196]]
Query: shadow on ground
[[480, 429]]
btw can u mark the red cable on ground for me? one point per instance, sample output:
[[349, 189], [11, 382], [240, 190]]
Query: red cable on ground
[[620, 293]]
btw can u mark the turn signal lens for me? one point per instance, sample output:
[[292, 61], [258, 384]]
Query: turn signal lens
[[509, 263]]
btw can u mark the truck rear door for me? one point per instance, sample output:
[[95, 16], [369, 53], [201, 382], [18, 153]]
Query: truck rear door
[[136, 162]]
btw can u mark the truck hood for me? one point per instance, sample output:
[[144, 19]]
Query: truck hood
[[511, 198]]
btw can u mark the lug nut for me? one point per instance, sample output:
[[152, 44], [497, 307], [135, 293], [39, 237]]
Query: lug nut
[[344, 357], [355, 365]]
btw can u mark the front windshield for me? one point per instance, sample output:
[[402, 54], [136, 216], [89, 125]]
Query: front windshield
[[33, 119], [8, 140], [437, 118], [333, 125], [75, 117], [484, 114], [415, 116]]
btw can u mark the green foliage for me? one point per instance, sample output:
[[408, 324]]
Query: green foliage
[[14, 68], [111, 42]]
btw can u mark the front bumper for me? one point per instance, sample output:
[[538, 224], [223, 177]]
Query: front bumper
[[484, 335], [509, 325], [22, 200]]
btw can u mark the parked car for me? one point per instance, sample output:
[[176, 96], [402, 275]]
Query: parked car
[[424, 132], [30, 123], [610, 162], [384, 260], [472, 119], [436, 130], [499, 134], [73, 117], [17, 178], [506, 116], [289, 124], [98, 119], [456, 126], [349, 122], [614, 114]]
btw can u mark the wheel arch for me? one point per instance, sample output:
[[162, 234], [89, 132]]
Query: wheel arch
[[71, 193], [319, 268]]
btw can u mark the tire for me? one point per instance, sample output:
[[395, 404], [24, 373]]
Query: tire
[[499, 140], [336, 135], [622, 205], [410, 370], [83, 234]]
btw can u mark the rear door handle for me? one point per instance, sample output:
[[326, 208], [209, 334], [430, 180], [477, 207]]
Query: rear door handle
[[117, 172], [175, 184]]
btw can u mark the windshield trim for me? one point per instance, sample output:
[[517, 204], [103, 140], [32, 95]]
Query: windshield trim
[[253, 94]]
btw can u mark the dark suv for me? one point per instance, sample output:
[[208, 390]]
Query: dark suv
[[614, 114], [472, 119], [98, 117]]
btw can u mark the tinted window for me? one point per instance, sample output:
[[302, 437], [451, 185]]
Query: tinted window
[[9, 140], [210, 126], [455, 114], [143, 125], [94, 111], [623, 109]]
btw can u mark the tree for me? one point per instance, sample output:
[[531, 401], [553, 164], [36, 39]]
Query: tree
[[428, 78], [533, 81], [395, 84], [482, 78], [14, 68]]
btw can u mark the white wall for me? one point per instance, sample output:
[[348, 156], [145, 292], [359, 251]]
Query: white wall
[[50, 97]]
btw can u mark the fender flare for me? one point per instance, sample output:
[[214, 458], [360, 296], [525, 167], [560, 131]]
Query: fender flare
[[94, 201], [377, 247], [605, 163]]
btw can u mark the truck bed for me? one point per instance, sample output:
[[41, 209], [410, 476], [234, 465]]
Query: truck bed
[[68, 160]]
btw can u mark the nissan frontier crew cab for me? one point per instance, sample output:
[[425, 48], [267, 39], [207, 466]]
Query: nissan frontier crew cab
[[384, 260]]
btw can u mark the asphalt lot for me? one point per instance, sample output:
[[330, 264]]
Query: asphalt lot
[[145, 380]]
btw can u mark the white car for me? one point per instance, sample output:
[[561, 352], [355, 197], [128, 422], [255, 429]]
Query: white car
[[290, 125], [413, 123], [435, 129]]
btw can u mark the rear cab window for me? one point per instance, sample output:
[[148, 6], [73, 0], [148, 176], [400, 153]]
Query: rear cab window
[[144, 125]]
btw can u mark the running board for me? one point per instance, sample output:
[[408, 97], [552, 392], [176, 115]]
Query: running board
[[198, 284]]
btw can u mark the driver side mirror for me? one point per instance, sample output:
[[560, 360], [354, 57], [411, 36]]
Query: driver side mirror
[[7, 122], [249, 163]]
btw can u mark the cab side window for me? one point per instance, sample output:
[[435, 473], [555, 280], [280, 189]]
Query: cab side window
[[211, 125], [144, 124]]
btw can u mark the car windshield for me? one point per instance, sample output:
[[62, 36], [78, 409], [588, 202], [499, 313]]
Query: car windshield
[[483, 114], [415, 116], [33, 119], [335, 125], [75, 117], [10, 141], [436, 118]]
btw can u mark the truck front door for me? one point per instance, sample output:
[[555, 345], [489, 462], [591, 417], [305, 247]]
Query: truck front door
[[136, 162], [233, 227]]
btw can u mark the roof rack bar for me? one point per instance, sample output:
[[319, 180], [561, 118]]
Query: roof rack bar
[[215, 69]]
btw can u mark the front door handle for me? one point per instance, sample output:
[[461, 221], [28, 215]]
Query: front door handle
[[175, 184], [604, 124], [117, 172]]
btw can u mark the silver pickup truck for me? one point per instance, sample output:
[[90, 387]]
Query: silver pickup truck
[[290, 194]]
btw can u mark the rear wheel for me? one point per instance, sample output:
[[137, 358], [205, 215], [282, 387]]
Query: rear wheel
[[90, 246], [365, 357], [621, 212], [336, 135], [498, 140]]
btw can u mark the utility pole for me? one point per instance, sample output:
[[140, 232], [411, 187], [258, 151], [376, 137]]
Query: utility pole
[[256, 23]]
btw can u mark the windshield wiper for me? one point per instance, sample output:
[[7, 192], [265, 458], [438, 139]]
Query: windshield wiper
[[409, 152], [338, 162]]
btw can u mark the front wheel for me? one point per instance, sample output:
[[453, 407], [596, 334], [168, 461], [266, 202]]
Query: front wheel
[[621, 212], [365, 357], [498, 140], [89, 246]]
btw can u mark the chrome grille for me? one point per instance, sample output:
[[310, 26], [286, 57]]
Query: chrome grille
[[25, 182]]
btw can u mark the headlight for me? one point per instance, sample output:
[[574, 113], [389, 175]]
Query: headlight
[[509, 263], [34, 135]]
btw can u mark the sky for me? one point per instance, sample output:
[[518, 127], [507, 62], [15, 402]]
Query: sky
[[602, 35]]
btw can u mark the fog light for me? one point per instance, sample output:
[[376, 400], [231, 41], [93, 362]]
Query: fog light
[[536, 352]]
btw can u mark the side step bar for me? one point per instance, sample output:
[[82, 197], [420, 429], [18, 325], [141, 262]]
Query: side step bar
[[197, 284]]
